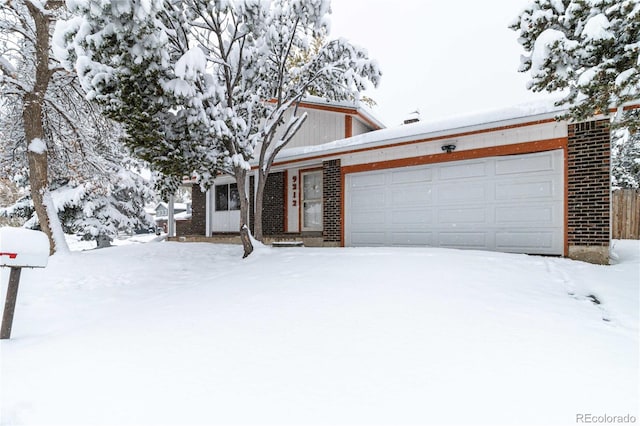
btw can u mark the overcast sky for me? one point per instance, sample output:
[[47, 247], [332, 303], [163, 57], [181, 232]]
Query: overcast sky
[[439, 57]]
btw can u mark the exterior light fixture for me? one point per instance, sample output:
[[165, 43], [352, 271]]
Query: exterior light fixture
[[448, 148]]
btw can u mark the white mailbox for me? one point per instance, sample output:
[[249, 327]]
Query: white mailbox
[[23, 248]]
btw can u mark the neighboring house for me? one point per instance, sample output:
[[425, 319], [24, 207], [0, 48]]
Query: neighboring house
[[182, 212], [515, 180]]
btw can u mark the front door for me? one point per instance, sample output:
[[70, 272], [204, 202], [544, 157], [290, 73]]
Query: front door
[[226, 208], [312, 201]]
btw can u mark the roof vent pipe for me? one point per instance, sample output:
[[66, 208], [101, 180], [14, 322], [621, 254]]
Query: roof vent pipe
[[413, 117]]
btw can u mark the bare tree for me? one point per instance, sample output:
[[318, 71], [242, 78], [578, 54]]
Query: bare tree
[[26, 41]]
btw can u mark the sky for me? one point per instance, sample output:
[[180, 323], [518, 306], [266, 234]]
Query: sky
[[441, 58]]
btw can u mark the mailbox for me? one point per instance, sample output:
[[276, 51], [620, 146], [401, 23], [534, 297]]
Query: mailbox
[[23, 248], [19, 248]]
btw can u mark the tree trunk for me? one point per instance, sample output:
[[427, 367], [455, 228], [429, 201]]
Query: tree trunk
[[241, 181], [32, 122], [260, 185], [38, 164]]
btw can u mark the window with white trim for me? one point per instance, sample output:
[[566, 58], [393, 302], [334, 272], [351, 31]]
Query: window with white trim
[[227, 197], [312, 201]]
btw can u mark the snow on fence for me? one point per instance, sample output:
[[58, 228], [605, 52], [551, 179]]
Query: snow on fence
[[626, 214]]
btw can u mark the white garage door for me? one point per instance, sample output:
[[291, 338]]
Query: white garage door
[[510, 204]]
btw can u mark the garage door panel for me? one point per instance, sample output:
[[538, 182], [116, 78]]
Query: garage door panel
[[368, 239], [526, 189], [411, 239], [411, 176], [476, 215], [364, 180], [527, 215], [462, 239], [367, 199], [412, 217], [543, 242], [513, 204], [517, 164], [463, 192], [367, 218], [411, 195], [460, 171]]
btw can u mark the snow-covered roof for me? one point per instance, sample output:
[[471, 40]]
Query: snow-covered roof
[[518, 114], [176, 206]]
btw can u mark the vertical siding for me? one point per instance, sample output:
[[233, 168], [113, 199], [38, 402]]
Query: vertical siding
[[626, 214], [359, 127], [320, 127]]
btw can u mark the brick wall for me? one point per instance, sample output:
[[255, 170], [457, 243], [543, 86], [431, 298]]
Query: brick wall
[[183, 228], [589, 185], [273, 214], [198, 211], [252, 203], [332, 201]]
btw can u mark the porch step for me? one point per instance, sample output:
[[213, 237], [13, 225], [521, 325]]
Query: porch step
[[287, 244]]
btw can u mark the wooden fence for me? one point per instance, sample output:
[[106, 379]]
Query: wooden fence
[[626, 214]]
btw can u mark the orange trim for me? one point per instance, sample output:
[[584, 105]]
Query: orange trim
[[493, 151], [348, 126], [519, 148], [342, 110], [415, 141], [626, 108], [332, 108], [566, 200], [342, 205]]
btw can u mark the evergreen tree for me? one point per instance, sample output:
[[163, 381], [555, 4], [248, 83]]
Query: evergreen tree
[[77, 148], [586, 49], [625, 160]]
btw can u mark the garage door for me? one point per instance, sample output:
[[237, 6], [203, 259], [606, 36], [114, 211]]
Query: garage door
[[510, 204]]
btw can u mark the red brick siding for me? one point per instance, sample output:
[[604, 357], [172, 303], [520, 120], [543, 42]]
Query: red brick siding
[[252, 203], [183, 228], [198, 211], [588, 183], [273, 204], [332, 201]]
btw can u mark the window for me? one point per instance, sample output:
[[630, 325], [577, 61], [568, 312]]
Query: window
[[227, 197], [312, 201]]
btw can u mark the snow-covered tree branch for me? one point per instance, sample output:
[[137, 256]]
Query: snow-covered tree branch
[[53, 139], [203, 87], [586, 49]]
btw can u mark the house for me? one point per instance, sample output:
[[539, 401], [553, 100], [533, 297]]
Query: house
[[181, 213], [514, 180]]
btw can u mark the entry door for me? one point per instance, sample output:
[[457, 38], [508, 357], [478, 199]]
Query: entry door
[[510, 204], [226, 208], [312, 201]]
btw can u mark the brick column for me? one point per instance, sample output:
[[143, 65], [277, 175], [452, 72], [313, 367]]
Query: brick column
[[198, 211], [252, 203], [589, 191], [331, 201], [273, 204]]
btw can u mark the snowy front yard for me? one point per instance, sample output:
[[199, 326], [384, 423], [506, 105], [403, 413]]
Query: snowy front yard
[[186, 334]]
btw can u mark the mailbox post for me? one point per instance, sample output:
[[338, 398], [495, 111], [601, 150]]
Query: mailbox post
[[19, 248]]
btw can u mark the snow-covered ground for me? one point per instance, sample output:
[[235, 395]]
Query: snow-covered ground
[[185, 334]]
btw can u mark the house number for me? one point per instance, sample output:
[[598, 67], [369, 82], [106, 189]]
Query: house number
[[294, 187]]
